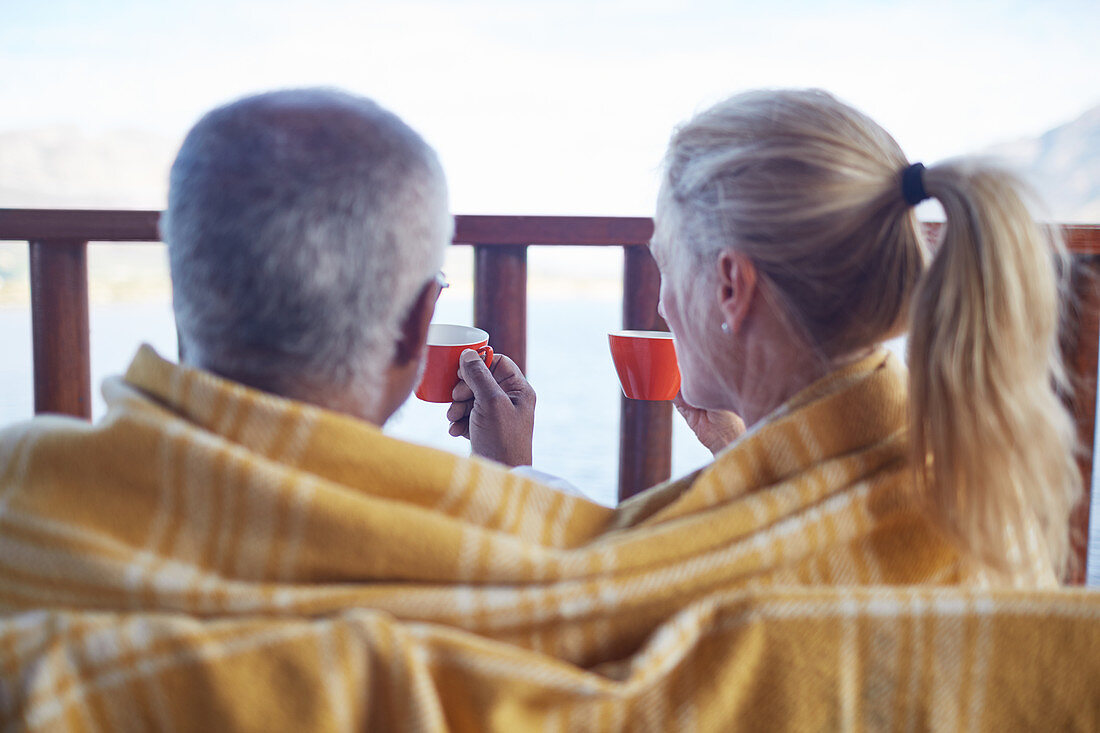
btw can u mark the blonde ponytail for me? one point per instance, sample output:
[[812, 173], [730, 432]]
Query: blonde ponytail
[[812, 191], [993, 443]]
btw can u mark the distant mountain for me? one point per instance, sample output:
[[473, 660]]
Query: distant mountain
[[62, 167], [1064, 166]]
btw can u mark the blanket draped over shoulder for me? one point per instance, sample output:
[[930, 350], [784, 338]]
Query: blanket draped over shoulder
[[208, 554]]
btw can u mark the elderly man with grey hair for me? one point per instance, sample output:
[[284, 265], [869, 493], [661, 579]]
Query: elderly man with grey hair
[[305, 233], [305, 230]]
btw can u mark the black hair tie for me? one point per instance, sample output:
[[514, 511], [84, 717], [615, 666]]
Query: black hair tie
[[912, 184]]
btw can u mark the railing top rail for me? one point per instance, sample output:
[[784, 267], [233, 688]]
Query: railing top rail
[[141, 226], [101, 225], [90, 225], [1083, 239]]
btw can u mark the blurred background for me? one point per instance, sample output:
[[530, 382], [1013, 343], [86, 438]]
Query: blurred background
[[536, 107]]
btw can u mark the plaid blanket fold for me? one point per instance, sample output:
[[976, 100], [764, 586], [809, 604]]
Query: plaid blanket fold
[[208, 554]]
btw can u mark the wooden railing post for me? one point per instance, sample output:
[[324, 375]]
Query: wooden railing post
[[59, 324], [500, 298], [645, 428], [1080, 352]]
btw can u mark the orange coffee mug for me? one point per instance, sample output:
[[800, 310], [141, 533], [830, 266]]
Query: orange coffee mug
[[445, 343], [646, 363]]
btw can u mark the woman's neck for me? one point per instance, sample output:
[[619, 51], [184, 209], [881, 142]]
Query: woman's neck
[[777, 370]]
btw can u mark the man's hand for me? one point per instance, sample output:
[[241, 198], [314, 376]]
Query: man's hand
[[715, 429], [494, 409]]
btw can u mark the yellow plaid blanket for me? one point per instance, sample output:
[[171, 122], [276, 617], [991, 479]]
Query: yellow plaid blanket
[[210, 555]]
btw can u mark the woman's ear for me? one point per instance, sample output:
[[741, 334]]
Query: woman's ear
[[414, 330], [736, 287]]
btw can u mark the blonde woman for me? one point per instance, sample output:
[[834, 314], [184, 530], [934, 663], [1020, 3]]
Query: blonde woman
[[789, 252]]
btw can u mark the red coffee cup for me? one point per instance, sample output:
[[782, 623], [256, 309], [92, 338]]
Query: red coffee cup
[[646, 363], [445, 343]]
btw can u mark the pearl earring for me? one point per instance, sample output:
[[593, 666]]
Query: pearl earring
[[726, 328]]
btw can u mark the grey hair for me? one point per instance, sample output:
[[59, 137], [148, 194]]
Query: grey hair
[[300, 227]]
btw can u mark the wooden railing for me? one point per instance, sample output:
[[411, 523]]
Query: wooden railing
[[58, 242], [59, 303]]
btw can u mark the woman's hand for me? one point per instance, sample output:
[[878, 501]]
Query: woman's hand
[[715, 429], [494, 409]]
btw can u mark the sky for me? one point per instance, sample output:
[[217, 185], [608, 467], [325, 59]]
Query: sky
[[556, 106]]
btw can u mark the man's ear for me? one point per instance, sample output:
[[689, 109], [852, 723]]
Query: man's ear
[[736, 287], [414, 331]]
